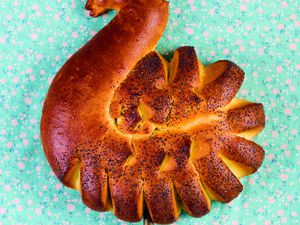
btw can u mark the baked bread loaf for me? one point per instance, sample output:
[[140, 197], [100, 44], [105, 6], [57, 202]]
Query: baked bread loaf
[[130, 130]]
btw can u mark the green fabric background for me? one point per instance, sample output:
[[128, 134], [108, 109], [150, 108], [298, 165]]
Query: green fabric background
[[37, 37]]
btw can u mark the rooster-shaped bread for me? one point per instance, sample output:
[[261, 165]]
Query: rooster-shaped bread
[[131, 131]]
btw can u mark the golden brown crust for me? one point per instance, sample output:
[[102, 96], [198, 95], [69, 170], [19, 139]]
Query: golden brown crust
[[242, 151], [94, 188], [160, 199], [183, 81], [220, 92], [145, 132], [246, 117], [131, 95], [127, 194], [218, 178], [191, 192]]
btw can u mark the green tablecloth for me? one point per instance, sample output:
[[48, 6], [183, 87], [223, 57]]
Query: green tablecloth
[[37, 37]]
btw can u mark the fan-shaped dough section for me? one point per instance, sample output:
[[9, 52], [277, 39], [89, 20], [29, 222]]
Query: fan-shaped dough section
[[191, 192], [241, 155], [220, 182], [126, 188]]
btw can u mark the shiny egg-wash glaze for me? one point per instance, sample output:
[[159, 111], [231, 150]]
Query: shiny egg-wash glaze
[[130, 130]]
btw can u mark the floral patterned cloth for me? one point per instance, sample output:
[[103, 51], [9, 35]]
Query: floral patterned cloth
[[37, 37]]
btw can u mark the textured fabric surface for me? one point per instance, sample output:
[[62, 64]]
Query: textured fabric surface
[[37, 37]]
